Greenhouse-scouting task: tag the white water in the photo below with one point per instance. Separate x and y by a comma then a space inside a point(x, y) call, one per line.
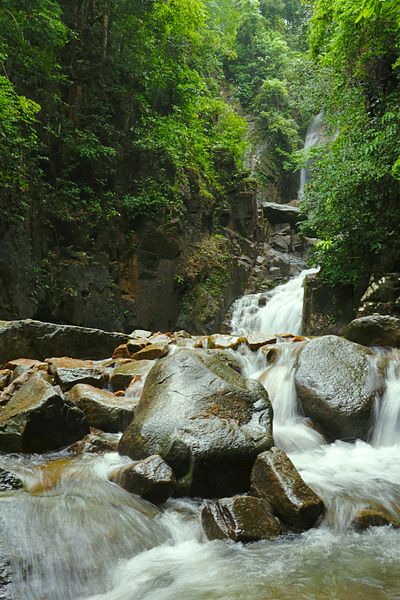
point(73, 535)
point(282, 313)
point(314, 137)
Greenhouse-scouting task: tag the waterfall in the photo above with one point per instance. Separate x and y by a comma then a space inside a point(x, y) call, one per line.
point(281, 313)
point(314, 137)
point(387, 409)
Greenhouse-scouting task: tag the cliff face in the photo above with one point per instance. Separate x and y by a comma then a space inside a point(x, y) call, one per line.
point(181, 271)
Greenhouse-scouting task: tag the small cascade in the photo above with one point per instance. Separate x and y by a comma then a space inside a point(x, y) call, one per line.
point(387, 410)
point(292, 431)
point(314, 136)
point(281, 313)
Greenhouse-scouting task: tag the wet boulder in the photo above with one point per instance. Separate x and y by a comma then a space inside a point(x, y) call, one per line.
point(34, 339)
point(39, 418)
point(374, 517)
point(103, 409)
point(275, 479)
point(205, 420)
point(96, 442)
point(151, 478)
point(241, 519)
point(69, 372)
point(151, 352)
point(375, 330)
point(335, 386)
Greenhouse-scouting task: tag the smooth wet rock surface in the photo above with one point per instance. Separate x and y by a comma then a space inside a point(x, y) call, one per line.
point(275, 479)
point(375, 330)
point(103, 409)
point(336, 387)
point(38, 340)
point(39, 418)
point(151, 478)
point(374, 517)
point(204, 419)
point(241, 519)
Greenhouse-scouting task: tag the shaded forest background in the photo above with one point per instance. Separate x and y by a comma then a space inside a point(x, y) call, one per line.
point(124, 131)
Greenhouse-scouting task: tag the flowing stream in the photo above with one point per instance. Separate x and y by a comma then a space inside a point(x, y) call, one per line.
point(73, 535)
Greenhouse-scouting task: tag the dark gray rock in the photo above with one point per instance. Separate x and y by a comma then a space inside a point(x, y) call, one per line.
point(204, 419)
point(151, 478)
point(72, 371)
point(38, 418)
point(375, 330)
point(275, 479)
point(241, 519)
point(334, 384)
point(34, 339)
point(9, 481)
point(280, 213)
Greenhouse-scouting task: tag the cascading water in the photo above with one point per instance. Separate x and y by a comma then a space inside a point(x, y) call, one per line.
point(74, 535)
point(314, 136)
point(278, 313)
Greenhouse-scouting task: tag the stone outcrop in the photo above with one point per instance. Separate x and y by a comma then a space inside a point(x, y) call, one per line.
point(334, 383)
point(375, 330)
point(382, 296)
point(38, 418)
point(204, 420)
point(281, 213)
point(151, 478)
point(69, 372)
point(241, 519)
point(275, 479)
point(103, 410)
point(34, 339)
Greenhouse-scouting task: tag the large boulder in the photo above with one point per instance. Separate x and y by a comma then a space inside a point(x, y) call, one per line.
point(275, 479)
point(34, 339)
point(204, 419)
point(38, 418)
point(150, 478)
point(375, 330)
point(335, 386)
point(241, 519)
point(103, 410)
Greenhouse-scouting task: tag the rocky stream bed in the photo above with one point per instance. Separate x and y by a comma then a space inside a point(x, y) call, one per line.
point(161, 466)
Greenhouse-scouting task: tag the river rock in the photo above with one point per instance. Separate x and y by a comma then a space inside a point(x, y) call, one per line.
point(150, 478)
point(96, 442)
point(102, 409)
point(257, 341)
point(275, 479)
point(122, 375)
point(225, 342)
point(9, 481)
point(205, 420)
point(5, 377)
point(34, 339)
point(151, 352)
point(334, 384)
point(375, 330)
point(38, 418)
point(373, 517)
point(69, 372)
point(241, 519)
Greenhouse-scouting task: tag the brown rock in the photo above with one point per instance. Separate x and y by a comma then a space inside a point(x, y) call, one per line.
point(241, 519)
point(121, 351)
point(151, 352)
point(122, 375)
point(136, 344)
point(71, 371)
point(275, 478)
point(38, 418)
point(150, 478)
point(27, 362)
point(374, 517)
point(102, 409)
point(5, 376)
point(96, 442)
point(255, 342)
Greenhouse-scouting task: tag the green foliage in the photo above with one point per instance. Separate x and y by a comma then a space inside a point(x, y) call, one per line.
point(352, 200)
